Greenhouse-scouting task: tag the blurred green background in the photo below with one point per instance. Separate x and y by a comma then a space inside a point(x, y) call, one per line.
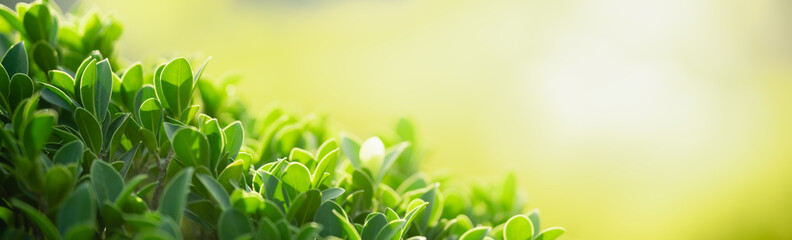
point(623, 119)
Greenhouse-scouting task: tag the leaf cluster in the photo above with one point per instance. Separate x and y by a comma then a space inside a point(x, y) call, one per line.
point(94, 151)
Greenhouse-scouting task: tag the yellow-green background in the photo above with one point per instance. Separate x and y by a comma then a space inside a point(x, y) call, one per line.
point(623, 119)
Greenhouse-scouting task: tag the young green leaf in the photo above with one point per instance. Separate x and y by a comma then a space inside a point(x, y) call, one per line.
point(518, 228)
point(297, 176)
point(62, 81)
point(87, 86)
point(234, 137)
point(349, 229)
point(351, 149)
point(37, 131)
point(103, 89)
point(191, 147)
point(177, 85)
point(477, 233)
point(131, 82)
point(550, 233)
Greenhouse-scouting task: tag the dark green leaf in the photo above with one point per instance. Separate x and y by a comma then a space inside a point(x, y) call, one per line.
point(57, 97)
point(174, 196)
point(45, 56)
point(233, 224)
point(324, 215)
point(15, 60)
point(106, 181)
point(89, 128)
point(22, 86)
point(304, 207)
point(42, 222)
point(69, 153)
point(37, 131)
point(103, 89)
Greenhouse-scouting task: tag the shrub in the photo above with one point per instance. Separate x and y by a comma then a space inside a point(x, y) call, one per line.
point(92, 152)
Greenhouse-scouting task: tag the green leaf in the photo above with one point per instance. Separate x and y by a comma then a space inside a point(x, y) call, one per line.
point(374, 223)
point(308, 231)
point(391, 230)
point(145, 92)
point(326, 165)
point(130, 187)
point(89, 128)
point(331, 193)
point(232, 172)
point(103, 89)
point(216, 190)
point(267, 229)
point(550, 233)
point(191, 147)
point(63, 81)
point(233, 225)
point(45, 56)
point(107, 183)
point(518, 227)
point(79, 208)
point(349, 229)
point(351, 148)
point(15, 60)
point(389, 159)
point(301, 156)
point(41, 220)
point(5, 80)
point(177, 84)
point(38, 131)
point(70, 152)
point(297, 176)
point(37, 21)
point(57, 97)
point(477, 233)
point(150, 115)
point(11, 18)
point(22, 86)
point(131, 82)
point(304, 207)
point(58, 184)
point(324, 215)
point(174, 197)
point(216, 141)
point(234, 136)
point(534, 217)
point(87, 86)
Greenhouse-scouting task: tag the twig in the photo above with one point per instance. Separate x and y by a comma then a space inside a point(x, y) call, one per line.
point(163, 168)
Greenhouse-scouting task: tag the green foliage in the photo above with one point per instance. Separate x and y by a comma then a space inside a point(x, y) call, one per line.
point(136, 152)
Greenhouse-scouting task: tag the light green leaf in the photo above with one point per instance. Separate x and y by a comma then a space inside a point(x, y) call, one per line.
point(216, 139)
point(231, 172)
point(38, 131)
point(518, 227)
point(326, 165)
point(191, 147)
point(63, 81)
point(351, 148)
point(550, 233)
point(477, 233)
point(131, 82)
point(23, 87)
point(297, 176)
point(234, 134)
point(349, 229)
point(150, 115)
point(5, 80)
point(174, 197)
point(374, 223)
point(87, 86)
point(391, 230)
point(177, 85)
